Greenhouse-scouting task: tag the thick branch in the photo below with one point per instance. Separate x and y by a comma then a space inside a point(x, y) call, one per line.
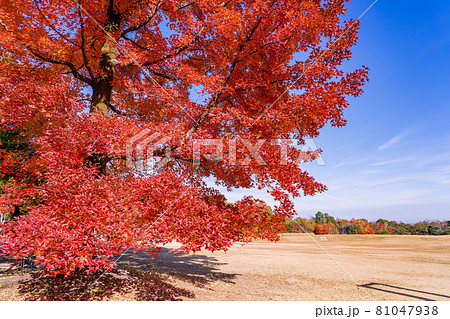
point(215, 99)
point(143, 23)
point(119, 112)
point(185, 5)
point(72, 67)
point(165, 76)
point(83, 42)
point(136, 44)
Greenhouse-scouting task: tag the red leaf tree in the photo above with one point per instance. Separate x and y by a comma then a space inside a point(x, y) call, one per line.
point(79, 79)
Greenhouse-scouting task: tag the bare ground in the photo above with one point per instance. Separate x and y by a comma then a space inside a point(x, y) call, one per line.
point(298, 267)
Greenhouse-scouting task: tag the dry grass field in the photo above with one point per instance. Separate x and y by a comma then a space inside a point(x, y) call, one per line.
point(298, 267)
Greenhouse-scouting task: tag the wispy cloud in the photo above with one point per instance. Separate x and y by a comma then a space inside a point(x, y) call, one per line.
point(392, 141)
point(393, 161)
point(433, 156)
point(372, 171)
point(352, 161)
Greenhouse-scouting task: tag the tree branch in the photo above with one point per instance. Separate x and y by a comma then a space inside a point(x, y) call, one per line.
point(215, 99)
point(51, 25)
point(83, 42)
point(72, 67)
point(177, 51)
point(143, 23)
point(119, 112)
point(136, 44)
point(165, 76)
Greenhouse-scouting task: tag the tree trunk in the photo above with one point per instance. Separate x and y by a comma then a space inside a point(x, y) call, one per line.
point(102, 87)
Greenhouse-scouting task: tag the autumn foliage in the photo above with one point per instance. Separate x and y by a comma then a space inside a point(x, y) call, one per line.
point(78, 79)
point(324, 224)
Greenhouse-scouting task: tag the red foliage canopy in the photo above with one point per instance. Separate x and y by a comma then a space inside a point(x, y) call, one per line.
point(78, 79)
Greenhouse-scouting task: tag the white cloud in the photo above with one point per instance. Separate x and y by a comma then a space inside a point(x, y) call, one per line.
point(392, 141)
point(352, 161)
point(393, 161)
point(372, 171)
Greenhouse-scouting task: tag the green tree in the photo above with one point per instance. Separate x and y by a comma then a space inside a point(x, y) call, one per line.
point(330, 219)
point(319, 218)
point(382, 221)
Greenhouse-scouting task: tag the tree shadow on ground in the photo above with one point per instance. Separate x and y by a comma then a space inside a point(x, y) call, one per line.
point(136, 277)
point(194, 268)
point(406, 292)
point(6, 263)
point(116, 284)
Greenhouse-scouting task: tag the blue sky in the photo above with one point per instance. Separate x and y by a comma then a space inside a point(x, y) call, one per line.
point(392, 160)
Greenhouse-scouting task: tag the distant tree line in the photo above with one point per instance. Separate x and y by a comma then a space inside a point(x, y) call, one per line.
point(322, 224)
